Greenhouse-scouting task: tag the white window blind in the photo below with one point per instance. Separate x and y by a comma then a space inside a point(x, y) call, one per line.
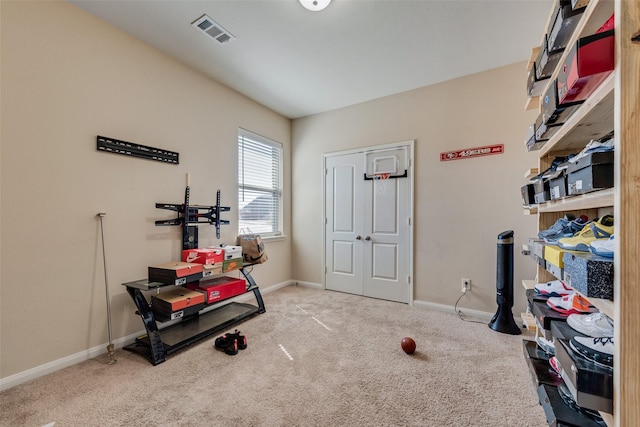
point(259, 184)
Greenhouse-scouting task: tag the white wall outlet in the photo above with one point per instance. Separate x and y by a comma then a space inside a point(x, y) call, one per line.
point(466, 285)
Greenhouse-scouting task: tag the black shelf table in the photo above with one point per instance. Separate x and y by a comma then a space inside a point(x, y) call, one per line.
point(159, 343)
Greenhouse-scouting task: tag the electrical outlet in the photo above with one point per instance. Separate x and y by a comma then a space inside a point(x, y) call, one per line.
point(466, 285)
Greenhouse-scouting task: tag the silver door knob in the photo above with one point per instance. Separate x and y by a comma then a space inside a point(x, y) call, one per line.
point(367, 238)
point(358, 237)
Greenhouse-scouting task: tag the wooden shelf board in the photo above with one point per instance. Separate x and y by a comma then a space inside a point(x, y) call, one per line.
point(596, 199)
point(529, 321)
point(593, 120)
point(531, 173)
point(532, 103)
point(529, 284)
point(604, 305)
point(530, 210)
point(534, 55)
point(609, 420)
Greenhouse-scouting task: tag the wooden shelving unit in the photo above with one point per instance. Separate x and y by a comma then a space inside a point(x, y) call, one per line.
point(614, 105)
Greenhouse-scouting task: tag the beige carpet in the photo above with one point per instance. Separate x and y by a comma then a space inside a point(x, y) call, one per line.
point(315, 358)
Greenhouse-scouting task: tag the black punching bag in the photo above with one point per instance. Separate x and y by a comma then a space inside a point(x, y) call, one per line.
point(503, 321)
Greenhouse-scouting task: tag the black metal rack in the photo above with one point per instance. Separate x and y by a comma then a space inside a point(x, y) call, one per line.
point(159, 343)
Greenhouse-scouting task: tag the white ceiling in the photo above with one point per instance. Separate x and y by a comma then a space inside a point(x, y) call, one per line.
point(299, 62)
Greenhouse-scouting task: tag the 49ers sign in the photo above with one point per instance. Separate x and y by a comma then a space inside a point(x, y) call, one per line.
point(472, 152)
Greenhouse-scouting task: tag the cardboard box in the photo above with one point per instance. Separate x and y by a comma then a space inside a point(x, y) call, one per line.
point(589, 274)
point(591, 385)
point(220, 288)
point(554, 112)
point(553, 254)
point(532, 142)
point(590, 173)
point(558, 272)
point(230, 251)
point(588, 64)
point(545, 315)
point(558, 186)
point(206, 256)
point(176, 303)
point(175, 273)
point(527, 194)
point(546, 62)
point(211, 270)
point(541, 189)
point(558, 413)
point(544, 131)
point(561, 27)
point(535, 86)
point(231, 264)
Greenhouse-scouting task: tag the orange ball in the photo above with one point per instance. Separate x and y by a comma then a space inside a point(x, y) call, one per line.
point(408, 345)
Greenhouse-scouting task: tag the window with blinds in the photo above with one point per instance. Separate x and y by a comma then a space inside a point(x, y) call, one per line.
point(259, 185)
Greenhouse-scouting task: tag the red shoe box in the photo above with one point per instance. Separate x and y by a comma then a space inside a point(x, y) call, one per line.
point(175, 273)
point(206, 256)
point(219, 288)
point(588, 64)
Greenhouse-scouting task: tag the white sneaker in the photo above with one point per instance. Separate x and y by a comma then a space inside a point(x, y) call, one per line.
point(546, 345)
point(555, 288)
point(603, 247)
point(598, 350)
point(595, 325)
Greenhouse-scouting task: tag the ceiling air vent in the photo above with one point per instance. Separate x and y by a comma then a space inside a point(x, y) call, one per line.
point(213, 29)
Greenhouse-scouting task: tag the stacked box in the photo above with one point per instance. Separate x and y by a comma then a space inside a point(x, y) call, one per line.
point(219, 288)
point(175, 273)
point(589, 274)
point(176, 303)
point(206, 256)
point(591, 172)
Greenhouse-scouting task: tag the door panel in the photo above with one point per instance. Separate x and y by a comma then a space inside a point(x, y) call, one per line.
point(367, 232)
point(343, 251)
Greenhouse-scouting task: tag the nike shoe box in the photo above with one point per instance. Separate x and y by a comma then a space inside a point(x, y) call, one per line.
point(211, 269)
point(577, 4)
point(558, 272)
point(230, 251)
point(206, 256)
point(589, 274)
point(175, 273)
point(541, 191)
point(527, 194)
point(176, 303)
point(558, 413)
point(535, 86)
point(590, 173)
point(588, 64)
point(539, 368)
point(561, 27)
point(590, 384)
point(555, 113)
point(231, 264)
point(219, 288)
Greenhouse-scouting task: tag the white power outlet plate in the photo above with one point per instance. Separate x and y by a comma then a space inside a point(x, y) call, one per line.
point(466, 285)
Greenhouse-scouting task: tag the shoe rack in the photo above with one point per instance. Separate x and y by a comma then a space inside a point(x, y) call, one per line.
point(614, 105)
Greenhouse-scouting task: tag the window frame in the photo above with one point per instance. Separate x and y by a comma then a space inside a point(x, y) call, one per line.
point(275, 190)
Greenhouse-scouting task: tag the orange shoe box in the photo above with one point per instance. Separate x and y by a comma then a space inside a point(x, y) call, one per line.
point(219, 288)
point(175, 273)
point(176, 303)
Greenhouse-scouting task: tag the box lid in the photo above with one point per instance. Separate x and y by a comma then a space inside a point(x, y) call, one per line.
point(181, 268)
point(599, 158)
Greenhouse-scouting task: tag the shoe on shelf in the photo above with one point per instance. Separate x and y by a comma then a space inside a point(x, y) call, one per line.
point(555, 365)
point(546, 345)
point(598, 350)
point(603, 247)
point(555, 288)
point(566, 226)
point(601, 228)
point(227, 344)
point(570, 304)
point(595, 325)
point(570, 401)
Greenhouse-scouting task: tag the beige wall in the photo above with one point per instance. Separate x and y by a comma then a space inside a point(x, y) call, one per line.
point(67, 77)
point(460, 206)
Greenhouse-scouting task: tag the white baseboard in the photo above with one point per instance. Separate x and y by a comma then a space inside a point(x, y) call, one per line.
point(309, 284)
point(482, 315)
point(55, 365)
